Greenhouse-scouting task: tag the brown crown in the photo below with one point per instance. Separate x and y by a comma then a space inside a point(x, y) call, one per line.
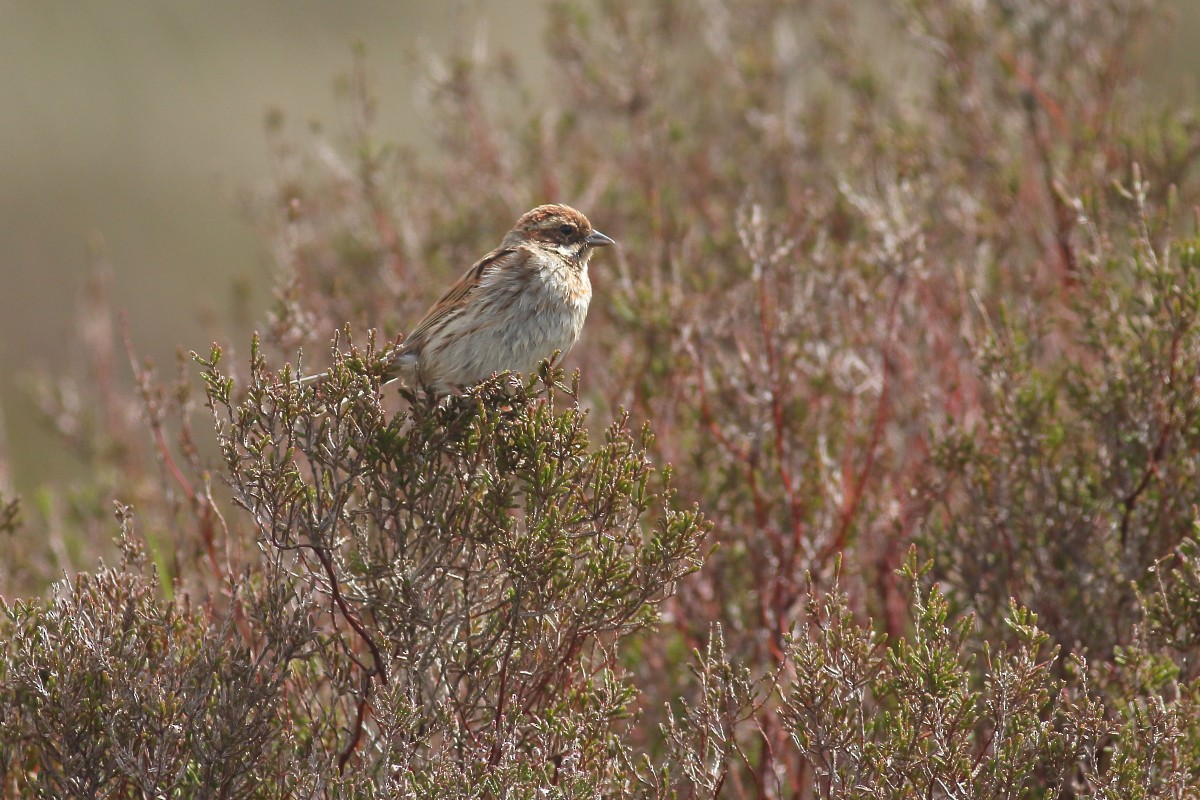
point(541, 215)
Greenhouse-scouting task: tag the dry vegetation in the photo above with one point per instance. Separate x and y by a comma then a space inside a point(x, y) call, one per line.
point(908, 295)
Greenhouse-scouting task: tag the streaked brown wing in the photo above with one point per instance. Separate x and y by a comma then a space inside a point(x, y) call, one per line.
point(458, 296)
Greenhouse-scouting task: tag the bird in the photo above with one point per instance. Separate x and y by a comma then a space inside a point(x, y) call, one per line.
point(513, 309)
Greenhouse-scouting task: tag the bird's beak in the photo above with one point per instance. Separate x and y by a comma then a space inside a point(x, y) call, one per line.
point(598, 239)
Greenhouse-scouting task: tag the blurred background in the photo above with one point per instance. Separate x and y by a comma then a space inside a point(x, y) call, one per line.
point(129, 130)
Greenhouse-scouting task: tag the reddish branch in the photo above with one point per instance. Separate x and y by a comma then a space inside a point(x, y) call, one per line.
point(380, 670)
point(795, 509)
point(857, 485)
point(1064, 216)
point(357, 731)
point(1129, 502)
point(199, 502)
point(501, 695)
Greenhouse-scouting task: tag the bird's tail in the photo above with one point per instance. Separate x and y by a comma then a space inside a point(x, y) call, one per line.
point(396, 367)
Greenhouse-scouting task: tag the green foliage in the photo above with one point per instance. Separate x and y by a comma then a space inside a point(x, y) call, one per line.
point(10, 514)
point(438, 601)
point(478, 555)
point(1093, 449)
point(914, 721)
point(110, 690)
point(935, 298)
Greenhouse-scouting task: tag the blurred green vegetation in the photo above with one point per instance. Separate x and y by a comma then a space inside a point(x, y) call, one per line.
point(915, 334)
point(131, 129)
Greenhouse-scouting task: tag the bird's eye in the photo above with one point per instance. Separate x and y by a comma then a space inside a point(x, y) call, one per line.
point(566, 230)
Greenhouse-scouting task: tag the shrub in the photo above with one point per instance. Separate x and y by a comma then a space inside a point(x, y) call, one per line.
point(913, 321)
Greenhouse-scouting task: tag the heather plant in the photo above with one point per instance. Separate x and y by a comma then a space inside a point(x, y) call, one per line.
point(479, 558)
point(907, 295)
point(113, 690)
point(439, 598)
point(1097, 448)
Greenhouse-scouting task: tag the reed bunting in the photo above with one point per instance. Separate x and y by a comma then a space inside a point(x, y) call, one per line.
point(511, 310)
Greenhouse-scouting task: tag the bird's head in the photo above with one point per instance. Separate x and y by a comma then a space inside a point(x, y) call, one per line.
point(559, 228)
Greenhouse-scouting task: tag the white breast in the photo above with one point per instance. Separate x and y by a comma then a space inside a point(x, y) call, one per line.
point(512, 323)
